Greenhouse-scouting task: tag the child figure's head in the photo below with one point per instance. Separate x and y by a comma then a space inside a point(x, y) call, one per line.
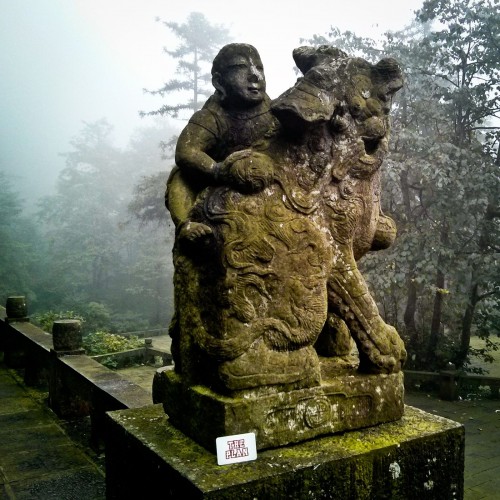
point(238, 76)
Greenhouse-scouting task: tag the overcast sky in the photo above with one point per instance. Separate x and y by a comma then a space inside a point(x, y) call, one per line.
point(67, 61)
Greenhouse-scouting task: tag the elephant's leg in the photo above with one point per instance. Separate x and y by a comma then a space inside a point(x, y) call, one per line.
point(381, 350)
point(335, 338)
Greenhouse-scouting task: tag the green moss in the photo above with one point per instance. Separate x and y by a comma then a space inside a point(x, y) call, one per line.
point(350, 465)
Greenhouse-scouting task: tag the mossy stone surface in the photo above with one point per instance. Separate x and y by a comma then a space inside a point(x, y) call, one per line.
point(418, 456)
point(265, 256)
point(345, 402)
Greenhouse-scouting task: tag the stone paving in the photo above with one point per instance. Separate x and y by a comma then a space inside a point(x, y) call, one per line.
point(481, 419)
point(39, 460)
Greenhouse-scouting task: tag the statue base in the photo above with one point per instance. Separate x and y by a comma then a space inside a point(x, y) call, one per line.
point(419, 456)
point(345, 402)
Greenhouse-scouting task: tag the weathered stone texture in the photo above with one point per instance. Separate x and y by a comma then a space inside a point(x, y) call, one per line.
point(343, 403)
point(274, 203)
point(418, 456)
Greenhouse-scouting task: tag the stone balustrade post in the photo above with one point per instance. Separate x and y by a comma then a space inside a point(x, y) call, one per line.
point(67, 336)
point(448, 383)
point(66, 340)
point(16, 309)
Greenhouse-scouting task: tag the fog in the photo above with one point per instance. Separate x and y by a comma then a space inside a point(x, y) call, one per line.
point(68, 61)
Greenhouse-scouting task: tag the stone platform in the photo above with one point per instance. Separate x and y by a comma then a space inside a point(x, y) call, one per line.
point(347, 401)
point(418, 456)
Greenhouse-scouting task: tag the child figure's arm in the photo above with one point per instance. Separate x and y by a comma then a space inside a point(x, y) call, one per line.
point(191, 153)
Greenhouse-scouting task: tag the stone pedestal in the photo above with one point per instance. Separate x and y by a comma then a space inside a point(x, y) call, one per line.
point(345, 402)
point(418, 456)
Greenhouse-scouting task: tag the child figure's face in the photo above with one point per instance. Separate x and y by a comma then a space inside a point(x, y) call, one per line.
point(243, 80)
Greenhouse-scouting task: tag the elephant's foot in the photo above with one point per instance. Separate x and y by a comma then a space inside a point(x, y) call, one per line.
point(381, 349)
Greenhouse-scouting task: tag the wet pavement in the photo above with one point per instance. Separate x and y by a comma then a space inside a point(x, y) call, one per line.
point(44, 458)
point(481, 419)
point(38, 459)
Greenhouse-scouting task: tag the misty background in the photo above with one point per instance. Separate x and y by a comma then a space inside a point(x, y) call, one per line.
point(83, 227)
point(64, 62)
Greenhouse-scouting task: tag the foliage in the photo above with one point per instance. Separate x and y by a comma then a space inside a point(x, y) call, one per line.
point(110, 363)
point(153, 277)
point(93, 246)
point(86, 253)
point(102, 342)
point(440, 180)
point(46, 320)
point(488, 318)
point(82, 219)
point(148, 197)
point(200, 42)
point(148, 202)
point(97, 316)
point(129, 321)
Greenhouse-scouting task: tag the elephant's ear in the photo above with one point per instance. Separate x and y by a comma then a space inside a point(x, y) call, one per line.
point(306, 57)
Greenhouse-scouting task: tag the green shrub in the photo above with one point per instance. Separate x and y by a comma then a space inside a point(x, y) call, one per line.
point(46, 320)
point(110, 363)
point(101, 342)
point(97, 316)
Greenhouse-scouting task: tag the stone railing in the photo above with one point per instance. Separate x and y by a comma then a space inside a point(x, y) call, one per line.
point(78, 384)
point(451, 383)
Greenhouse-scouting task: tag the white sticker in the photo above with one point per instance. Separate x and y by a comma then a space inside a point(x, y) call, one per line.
point(237, 448)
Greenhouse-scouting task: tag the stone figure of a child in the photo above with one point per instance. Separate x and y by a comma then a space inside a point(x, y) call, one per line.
point(213, 148)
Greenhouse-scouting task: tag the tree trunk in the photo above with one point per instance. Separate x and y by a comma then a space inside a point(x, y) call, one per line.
point(437, 311)
point(411, 295)
point(411, 304)
point(467, 326)
point(438, 301)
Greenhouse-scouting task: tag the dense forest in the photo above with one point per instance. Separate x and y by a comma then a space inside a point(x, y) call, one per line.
point(100, 246)
point(85, 251)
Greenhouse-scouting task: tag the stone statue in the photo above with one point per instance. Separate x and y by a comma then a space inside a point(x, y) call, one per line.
point(236, 117)
point(273, 205)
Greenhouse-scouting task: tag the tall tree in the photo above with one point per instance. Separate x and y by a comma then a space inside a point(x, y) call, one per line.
point(151, 268)
point(98, 260)
point(18, 240)
point(199, 43)
point(440, 178)
point(81, 219)
point(147, 203)
point(463, 54)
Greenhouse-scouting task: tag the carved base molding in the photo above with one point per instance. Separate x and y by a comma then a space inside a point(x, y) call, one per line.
point(350, 401)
